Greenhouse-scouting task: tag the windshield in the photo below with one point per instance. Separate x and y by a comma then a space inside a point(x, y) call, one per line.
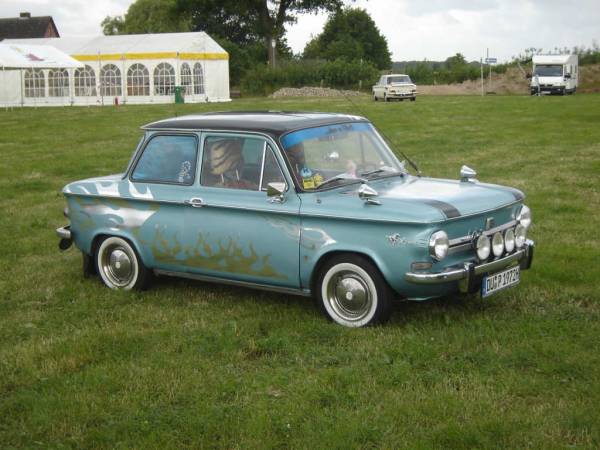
point(339, 154)
point(548, 71)
point(399, 79)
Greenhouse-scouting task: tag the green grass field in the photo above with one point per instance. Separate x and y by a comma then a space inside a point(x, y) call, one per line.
point(193, 365)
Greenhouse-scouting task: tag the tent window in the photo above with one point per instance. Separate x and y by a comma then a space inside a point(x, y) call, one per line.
point(186, 78)
point(138, 80)
point(110, 80)
point(198, 79)
point(58, 83)
point(85, 82)
point(35, 83)
point(164, 79)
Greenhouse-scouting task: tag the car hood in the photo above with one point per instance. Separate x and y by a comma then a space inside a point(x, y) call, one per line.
point(558, 80)
point(402, 84)
point(416, 199)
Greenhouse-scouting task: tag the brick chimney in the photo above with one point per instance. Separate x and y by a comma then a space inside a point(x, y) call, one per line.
point(25, 15)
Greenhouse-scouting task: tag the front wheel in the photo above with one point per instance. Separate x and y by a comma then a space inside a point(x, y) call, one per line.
point(119, 265)
point(352, 292)
point(413, 99)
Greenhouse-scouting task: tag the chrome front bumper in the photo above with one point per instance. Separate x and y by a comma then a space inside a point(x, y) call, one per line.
point(467, 273)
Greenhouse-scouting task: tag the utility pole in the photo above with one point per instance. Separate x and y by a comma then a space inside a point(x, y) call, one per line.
point(490, 71)
point(481, 68)
point(273, 49)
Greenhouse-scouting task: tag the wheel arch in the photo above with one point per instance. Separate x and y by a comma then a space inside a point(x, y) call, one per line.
point(325, 257)
point(103, 234)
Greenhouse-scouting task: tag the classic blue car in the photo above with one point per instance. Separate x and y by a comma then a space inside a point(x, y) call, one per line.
point(313, 204)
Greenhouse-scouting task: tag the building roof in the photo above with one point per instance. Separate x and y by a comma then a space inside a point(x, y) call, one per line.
point(26, 27)
point(274, 123)
point(133, 44)
point(552, 59)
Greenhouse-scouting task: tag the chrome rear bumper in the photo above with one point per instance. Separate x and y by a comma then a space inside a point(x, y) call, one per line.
point(64, 233)
point(470, 270)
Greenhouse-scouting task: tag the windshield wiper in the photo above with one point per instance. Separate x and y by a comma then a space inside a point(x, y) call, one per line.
point(341, 177)
point(387, 169)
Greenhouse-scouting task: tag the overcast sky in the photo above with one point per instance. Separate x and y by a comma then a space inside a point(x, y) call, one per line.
point(432, 29)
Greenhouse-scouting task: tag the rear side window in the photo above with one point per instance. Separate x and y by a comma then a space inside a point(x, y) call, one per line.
point(168, 159)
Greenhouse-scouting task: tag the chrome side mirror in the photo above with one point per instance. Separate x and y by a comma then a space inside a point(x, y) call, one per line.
point(368, 194)
point(275, 192)
point(467, 174)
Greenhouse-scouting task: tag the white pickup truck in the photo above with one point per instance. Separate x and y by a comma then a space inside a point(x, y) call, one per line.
point(396, 86)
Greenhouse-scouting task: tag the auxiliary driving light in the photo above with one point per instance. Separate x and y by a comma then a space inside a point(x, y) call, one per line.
point(520, 235)
point(509, 240)
point(483, 247)
point(497, 244)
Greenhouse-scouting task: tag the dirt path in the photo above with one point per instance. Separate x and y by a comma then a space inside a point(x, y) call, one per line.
point(511, 82)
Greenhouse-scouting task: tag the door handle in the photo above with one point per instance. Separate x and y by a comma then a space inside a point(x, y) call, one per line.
point(195, 202)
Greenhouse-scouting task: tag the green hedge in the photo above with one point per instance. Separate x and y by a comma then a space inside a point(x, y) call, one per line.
point(336, 74)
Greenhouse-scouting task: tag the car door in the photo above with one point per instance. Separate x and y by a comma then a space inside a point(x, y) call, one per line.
point(161, 179)
point(235, 231)
point(379, 88)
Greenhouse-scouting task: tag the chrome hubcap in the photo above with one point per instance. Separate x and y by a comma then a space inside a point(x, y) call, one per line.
point(117, 265)
point(349, 295)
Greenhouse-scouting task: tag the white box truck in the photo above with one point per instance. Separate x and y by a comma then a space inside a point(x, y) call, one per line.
point(554, 74)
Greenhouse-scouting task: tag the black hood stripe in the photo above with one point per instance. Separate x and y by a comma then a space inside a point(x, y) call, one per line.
point(447, 209)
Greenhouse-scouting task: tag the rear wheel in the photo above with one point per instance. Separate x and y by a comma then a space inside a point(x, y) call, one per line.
point(413, 99)
point(375, 97)
point(352, 292)
point(119, 265)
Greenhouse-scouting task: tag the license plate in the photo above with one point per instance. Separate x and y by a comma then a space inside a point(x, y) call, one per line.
point(495, 282)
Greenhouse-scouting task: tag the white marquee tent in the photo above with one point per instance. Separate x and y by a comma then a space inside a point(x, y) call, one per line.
point(130, 69)
point(16, 58)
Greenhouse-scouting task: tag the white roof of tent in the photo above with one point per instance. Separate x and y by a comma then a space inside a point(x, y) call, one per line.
point(198, 42)
point(22, 56)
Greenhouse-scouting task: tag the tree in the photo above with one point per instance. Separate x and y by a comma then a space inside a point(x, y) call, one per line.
point(351, 34)
point(147, 16)
point(246, 21)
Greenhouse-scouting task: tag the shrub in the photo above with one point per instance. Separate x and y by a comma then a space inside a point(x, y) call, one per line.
point(336, 74)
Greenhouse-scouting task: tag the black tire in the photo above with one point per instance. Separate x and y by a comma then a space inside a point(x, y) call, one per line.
point(413, 99)
point(88, 265)
point(375, 97)
point(352, 292)
point(119, 265)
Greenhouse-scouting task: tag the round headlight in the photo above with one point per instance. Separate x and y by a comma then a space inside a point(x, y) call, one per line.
point(509, 240)
point(497, 244)
point(524, 216)
point(520, 235)
point(438, 245)
point(483, 247)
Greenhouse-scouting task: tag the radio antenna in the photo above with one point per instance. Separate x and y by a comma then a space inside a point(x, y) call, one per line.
point(385, 137)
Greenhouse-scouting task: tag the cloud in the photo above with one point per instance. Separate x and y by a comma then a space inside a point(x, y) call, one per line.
point(432, 29)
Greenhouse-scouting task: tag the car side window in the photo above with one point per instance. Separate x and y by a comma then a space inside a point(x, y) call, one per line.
point(232, 162)
point(271, 170)
point(168, 159)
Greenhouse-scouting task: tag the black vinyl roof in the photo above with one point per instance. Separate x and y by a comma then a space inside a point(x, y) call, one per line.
point(274, 123)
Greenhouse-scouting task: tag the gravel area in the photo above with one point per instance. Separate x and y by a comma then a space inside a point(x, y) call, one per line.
point(312, 92)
